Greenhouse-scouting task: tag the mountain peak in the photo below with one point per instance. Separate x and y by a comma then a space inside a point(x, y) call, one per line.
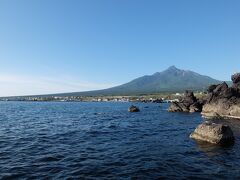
point(172, 67)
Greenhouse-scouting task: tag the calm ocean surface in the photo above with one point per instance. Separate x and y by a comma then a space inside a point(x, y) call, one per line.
point(61, 140)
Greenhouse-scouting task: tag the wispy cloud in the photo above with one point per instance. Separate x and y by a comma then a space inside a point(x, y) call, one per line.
point(15, 85)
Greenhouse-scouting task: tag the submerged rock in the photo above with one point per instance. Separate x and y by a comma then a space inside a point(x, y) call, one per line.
point(133, 109)
point(213, 133)
point(189, 103)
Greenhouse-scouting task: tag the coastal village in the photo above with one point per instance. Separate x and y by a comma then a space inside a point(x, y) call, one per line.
point(148, 98)
point(167, 98)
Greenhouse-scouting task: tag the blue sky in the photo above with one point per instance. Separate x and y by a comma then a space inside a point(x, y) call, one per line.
point(49, 46)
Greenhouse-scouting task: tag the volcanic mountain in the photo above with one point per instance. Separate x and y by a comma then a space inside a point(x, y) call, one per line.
point(170, 80)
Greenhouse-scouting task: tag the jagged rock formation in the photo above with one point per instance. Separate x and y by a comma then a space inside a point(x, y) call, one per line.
point(213, 133)
point(236, 80)
point(189, 103)
point(223, 101)
point(133, 109)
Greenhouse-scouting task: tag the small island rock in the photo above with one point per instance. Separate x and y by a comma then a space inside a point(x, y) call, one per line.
point(133, 109)
point(213, 133)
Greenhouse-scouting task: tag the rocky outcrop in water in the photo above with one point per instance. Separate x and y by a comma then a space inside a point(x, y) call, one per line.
point(223, 101)
point(213, 133)
point(151, 101)
point(133, 109)
point(189, 103)
point(157, 101)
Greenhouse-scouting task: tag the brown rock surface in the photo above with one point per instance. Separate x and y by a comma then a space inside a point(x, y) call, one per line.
point(133, 109)
point(213, 133)
point(222, 101)
point(189, 103)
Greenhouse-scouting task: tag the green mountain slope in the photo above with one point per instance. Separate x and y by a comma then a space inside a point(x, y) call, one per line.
point(170, 80)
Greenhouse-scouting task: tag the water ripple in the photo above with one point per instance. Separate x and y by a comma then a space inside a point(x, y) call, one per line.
point(104, 141)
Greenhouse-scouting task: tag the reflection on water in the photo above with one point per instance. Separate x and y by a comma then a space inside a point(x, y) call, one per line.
point(212, 149)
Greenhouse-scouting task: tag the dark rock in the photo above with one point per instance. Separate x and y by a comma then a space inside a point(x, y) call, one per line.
point(220, 88)
point(157, 101)
point(133, 109)
point(189, 103)
point(220, 91)
point(211, 88)
point(189, 98)
point(230, 92)
point(144, 101)
point(196, 107)
point(235, 78)
point(223, 101)
point(213, 133)
point(202, 100)
point(178, 107)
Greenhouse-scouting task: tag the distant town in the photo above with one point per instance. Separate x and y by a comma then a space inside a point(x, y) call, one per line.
point(155, 98)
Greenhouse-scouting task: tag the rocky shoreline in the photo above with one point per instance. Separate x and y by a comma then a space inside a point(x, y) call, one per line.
point(222, 101)
point(189, 103)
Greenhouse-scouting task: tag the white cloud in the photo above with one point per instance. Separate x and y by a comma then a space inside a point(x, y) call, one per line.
point(16, 85)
